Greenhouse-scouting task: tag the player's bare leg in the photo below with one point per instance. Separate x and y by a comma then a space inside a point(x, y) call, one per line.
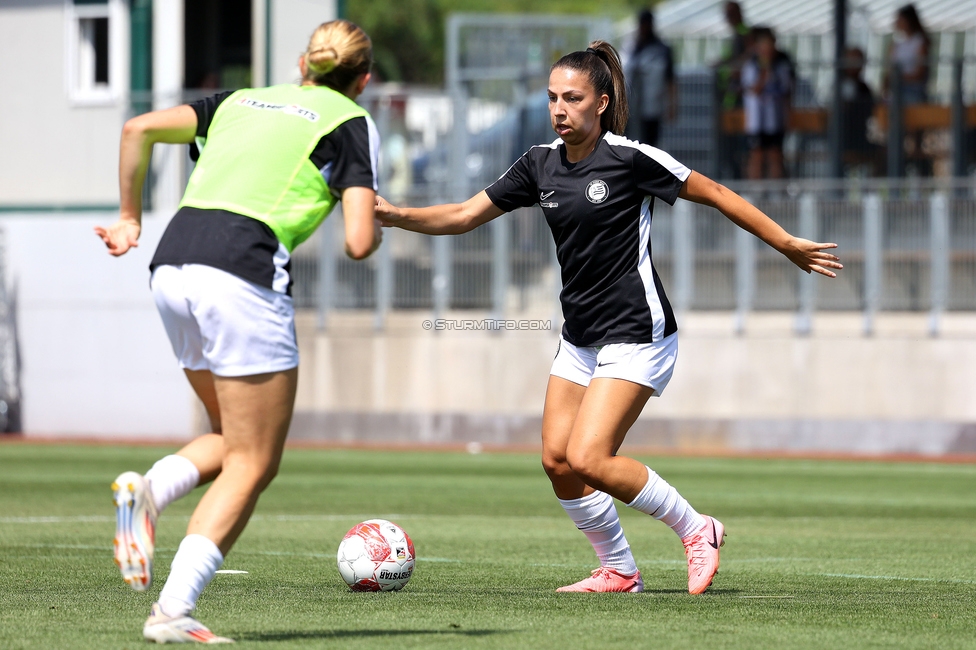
point(206, 452)
point(608, 410)
point(256, 413)
point(593, 512)
point(563, 399)
point(139, 499)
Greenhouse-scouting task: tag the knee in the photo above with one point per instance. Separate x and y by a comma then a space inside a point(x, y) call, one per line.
point(268, 473)
point(554, 463)
point(586, 464)
point(254, 473)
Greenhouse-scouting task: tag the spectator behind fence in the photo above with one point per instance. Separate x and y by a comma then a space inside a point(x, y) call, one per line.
point(767, 82)
point(858, 106)
point(738, 49)
point(650, 83)
point(910, 52)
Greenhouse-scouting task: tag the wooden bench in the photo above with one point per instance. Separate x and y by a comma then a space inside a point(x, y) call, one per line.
point(801, 120)
point(919, 117)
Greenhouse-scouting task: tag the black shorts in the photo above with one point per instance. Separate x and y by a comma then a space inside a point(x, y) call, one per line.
point(766, 140)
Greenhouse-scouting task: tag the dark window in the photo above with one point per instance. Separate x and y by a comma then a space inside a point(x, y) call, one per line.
point(100, 43)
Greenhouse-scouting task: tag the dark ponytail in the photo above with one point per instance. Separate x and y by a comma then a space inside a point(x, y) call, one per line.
point(601, 63)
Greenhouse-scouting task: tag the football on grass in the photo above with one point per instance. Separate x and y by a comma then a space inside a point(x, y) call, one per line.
point(376, 555)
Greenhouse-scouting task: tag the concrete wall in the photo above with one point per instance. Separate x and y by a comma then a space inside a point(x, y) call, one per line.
point(899, 391)
point(836, 373)
point(54, 151)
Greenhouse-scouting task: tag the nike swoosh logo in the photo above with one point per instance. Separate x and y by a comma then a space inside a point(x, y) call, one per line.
point(714, 543)
point(605, 363)
point(543, 197)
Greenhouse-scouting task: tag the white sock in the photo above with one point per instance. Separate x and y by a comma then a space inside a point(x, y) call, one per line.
point(172, 478)
point(596, 516)
point(194, 566)
point(661, 501)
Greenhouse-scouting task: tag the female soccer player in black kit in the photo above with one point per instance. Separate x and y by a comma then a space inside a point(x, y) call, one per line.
point(619, 340)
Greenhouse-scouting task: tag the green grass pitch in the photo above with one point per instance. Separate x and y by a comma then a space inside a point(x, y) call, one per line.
point(819, 555)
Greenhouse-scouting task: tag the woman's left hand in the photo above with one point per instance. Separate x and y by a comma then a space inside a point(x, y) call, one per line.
point(120, 236)
point(387, 213)
point(810, 256)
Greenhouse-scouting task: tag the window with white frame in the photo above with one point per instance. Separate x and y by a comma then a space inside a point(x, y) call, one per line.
point(94, 49)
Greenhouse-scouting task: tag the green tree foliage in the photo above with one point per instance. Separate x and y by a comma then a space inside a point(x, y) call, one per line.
point(408, 35)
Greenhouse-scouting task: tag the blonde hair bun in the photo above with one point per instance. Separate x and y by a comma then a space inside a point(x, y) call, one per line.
point(338, 52)
point(322, 61)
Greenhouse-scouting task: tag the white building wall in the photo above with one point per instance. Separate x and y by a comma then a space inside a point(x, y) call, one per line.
point(53, 152)
point(292, 24)
point(95, 357)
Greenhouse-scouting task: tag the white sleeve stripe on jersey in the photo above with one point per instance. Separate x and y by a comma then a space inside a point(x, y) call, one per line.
point(646, 271)
point(659, 156)
point(374, 151)
point(552, 145)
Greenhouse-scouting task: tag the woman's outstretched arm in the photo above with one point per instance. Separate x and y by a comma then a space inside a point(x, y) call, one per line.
point(807, 255)
point(174, 126)
point(445, 219)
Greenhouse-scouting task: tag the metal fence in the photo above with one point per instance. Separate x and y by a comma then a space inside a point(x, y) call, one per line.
point(906, 247)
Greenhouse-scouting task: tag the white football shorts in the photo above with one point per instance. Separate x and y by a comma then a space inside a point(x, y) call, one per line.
point(219, 322)
point(647, 364)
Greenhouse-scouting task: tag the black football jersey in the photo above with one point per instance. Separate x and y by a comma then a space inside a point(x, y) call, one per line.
point(599, 210)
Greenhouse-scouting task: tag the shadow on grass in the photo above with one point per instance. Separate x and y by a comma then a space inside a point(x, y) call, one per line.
point(293, 635)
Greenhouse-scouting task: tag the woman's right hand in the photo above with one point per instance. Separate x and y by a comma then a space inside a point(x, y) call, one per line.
point(120, 236)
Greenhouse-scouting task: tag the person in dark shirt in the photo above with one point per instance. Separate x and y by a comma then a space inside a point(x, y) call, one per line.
point(652, 92)
point(767, 82)
point(619, 340)
point(858, 105)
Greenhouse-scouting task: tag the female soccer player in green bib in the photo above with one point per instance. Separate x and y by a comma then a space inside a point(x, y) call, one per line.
point(272, 164)
point(619, 340)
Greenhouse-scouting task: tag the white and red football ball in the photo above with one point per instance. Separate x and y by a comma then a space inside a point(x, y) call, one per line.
point(376, 555)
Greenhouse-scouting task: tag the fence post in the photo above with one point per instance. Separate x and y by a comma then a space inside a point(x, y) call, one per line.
point(719, 140)
point(384, 280)
point(939, 258)
point(896, 126)
point(441, 277)
point(500, 252)
point(327, 267)
point(745, 276)
point(958, 122)
point(873, 260)
point(836, 131)
point(683, 229)
point(808, 284)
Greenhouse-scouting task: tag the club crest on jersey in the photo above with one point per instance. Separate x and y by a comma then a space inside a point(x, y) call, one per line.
point(597, 191)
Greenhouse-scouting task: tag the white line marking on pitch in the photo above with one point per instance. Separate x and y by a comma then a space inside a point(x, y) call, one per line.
point(231, 572)
point(859, 576)
point(54, 520)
